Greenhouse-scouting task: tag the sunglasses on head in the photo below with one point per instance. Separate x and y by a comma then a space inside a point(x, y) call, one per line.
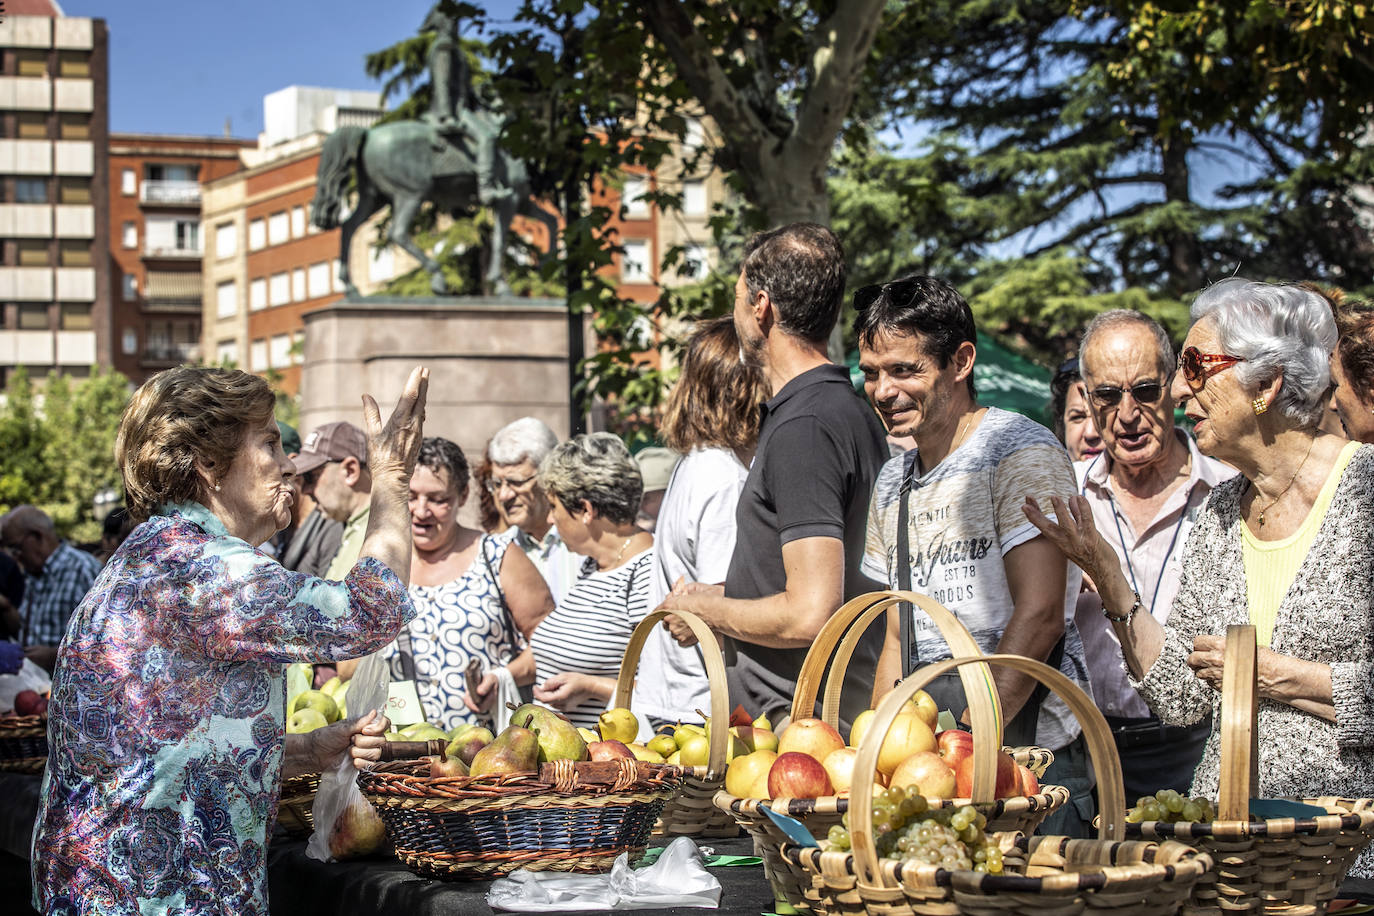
point(1110, 395)
point(899, 293)
point(1197, 367)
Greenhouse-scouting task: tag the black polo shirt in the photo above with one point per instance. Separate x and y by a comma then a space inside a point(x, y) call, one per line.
point(820, 449)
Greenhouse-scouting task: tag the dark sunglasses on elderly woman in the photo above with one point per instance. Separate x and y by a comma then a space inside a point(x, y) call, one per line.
point(1110, 395)
point(1197, 367)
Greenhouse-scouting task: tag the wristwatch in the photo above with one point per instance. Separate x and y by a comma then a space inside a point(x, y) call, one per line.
point(1125, 618)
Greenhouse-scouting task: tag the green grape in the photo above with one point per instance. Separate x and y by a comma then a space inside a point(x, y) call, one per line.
point(844, 819)
point(959, 821)
point(839, 837)
point(1174, 803)
point(1191, 811)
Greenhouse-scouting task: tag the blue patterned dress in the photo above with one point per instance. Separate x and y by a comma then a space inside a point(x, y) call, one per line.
point(166, 726)
point(454, 623)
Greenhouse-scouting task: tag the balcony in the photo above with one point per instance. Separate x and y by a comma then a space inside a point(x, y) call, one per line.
point(170, 193)
point(173, 252)
point(165, 355)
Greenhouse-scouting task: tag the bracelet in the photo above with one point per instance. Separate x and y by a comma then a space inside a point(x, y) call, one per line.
point(1126, 618)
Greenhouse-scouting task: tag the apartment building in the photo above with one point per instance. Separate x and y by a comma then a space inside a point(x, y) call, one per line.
point(157, 245)
point(54, 225)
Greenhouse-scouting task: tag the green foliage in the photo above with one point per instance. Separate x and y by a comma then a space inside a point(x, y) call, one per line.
point(59, 446)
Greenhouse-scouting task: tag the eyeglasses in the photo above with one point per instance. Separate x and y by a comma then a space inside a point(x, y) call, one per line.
point(516, 485)
point(312, 476)
point(899, 293)
point(1197, 367)
point(1110, 395)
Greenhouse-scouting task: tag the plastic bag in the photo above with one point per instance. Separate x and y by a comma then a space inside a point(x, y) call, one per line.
point(678, 878)
point(346, 826)
point(28, 677)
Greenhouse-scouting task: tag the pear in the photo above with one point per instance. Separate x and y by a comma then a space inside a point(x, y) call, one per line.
point(558, 738)
point(643, 753)
point(763, 723)
point(358, 831)
point(588, 735)
point(515, 750)
point(457, 730)
point(695, 752)
point(445, 765)
point(332, 686)
point(662, 744)
point(469, 742)
point(618, 724)
point(683, 733)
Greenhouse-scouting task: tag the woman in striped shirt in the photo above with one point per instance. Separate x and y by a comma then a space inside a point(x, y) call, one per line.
point(594, 487)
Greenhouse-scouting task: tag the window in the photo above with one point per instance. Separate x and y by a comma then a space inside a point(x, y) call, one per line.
point(160, 172)
point(188, 235)
point(226, 353)
point(31, 125)
point(31, 62)
point(33, 316)
point(319, 280)
point(73, 190)
point(257, 235)
point(129, 237)
point(636, 207)
point(694, 198)
point(694, 264)
point(695, 136)
point(278, 229)
point(257, 356)
point(257, 294)
point(74, 253)
point(297, 221)
point(74, 127)
point(298, 284)
point(74, 64)
point(30, 191)
point(279, 290)
point(171, 235)
point(383, 264)
point(634, 263)
point(34, 253)
point(280, 354)
point(128, 342)
point(75, 316)
point(128, 182)
point(129, 288)
point(226, 300)
point(226, 240)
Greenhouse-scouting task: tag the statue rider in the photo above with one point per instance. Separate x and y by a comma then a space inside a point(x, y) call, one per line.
point(454, 109)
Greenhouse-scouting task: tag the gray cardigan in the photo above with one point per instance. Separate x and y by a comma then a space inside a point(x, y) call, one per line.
point(1327, 616)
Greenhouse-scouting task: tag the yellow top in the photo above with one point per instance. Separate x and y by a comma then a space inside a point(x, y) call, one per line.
point(1271, 566)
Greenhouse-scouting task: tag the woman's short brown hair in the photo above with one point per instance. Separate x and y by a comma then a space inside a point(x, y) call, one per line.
point(180, 417)
point(716, 400)
point(1355, 347)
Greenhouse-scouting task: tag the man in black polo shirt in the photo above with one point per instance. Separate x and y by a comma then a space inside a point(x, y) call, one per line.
point(801, 518)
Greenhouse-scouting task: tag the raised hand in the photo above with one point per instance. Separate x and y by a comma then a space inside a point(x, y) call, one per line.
point(392, 448)
point(1073, 532)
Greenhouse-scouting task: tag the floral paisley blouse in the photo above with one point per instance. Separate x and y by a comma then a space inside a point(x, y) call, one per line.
point(166, 726)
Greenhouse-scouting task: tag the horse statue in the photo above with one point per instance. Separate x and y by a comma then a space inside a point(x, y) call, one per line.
point(404, 163)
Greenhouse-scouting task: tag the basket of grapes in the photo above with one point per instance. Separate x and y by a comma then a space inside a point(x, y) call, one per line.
point(897, 854)
point(808, 775)
point(1276, 856)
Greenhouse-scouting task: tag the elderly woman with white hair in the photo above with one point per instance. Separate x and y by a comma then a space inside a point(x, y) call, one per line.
point(594, 488)
point(1285, 546)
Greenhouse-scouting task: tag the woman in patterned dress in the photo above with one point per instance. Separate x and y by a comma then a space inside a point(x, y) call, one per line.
point(474, 597)
point(166, 727)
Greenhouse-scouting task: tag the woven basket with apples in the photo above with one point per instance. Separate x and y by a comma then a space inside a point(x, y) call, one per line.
point(308, 710)
point(24, 734)
point(902, 857)
point(810, 775)
point(1291, 863)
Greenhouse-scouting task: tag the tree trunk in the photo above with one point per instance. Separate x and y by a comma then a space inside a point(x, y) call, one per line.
point(1184, 255)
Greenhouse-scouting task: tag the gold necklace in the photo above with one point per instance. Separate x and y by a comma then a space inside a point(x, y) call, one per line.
point(616, 561)
point(1260, 519)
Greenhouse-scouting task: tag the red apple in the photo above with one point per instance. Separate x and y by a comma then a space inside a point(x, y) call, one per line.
point(812, 737)
point(41, 708)
point(798, 775)
point(1030, 785)
point(1008, 779)
point(928, 772)
point(608, 750)
point(954, 746)
point(26, 702)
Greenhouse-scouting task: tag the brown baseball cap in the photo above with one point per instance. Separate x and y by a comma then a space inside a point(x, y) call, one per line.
point(331, 442)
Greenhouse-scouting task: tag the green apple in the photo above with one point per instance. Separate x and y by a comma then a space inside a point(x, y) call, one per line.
point(319, 701)
point(332, 686)
point(429, 732)
point(304, 720)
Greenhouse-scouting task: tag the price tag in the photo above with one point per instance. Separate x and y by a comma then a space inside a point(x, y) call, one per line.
point(403, 704)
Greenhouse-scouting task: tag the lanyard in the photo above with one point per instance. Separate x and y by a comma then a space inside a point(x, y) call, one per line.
point(1121, 536)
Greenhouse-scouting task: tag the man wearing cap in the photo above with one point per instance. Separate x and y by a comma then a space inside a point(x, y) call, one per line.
point(656, 467)
point(333, 468)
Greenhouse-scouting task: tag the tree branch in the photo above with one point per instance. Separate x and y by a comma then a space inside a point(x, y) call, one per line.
point(838, 58)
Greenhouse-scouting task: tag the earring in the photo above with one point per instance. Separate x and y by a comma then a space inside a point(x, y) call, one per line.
point(1259, 405)
point(216, 488)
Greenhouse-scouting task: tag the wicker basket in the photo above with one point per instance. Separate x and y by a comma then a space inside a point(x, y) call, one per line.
point(1276, 866)
point(691, 811)
point(1044, 875)
point(845, 628)
point(23, 744)
point(295, 809)
point(571, 817)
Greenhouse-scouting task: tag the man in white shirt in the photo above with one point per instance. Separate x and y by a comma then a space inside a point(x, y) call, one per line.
point(1145, 490)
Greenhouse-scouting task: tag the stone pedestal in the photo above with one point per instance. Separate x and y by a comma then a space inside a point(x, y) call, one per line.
point(491, 361)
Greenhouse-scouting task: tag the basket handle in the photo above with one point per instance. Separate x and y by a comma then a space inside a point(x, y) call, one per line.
point(715, 674)
point(1239, 731)
point(1101, 747)
point(411, 750)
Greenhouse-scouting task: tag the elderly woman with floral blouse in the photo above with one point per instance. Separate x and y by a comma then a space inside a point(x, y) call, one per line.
point(1286, 546)
point(166, 726)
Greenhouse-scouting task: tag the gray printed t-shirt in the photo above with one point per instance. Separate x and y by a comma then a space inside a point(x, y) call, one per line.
point(964, 517)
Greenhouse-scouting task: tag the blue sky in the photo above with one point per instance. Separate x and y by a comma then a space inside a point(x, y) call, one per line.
point(184, 66)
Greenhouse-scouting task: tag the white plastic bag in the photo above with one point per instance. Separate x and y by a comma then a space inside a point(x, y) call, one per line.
point(346, 826)
point(678, 878)
point(28, 677)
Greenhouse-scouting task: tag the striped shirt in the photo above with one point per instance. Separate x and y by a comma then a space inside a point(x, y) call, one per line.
point(588, 631)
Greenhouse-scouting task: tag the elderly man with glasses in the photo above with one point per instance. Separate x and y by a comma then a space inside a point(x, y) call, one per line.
point(57, 576)
point(1145, 490)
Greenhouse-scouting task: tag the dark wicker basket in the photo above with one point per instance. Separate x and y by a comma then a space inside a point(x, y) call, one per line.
point(296, 807)
point(569, 817)
point(23, 743)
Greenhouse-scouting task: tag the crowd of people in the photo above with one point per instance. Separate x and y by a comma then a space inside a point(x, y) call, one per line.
point(1115, 545)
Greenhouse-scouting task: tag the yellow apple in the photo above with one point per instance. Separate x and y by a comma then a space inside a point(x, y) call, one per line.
point(813, 737)
point(861, 723)
point(744, 772)
point(928, 772)
point(839, 764)
point(908, 735)
point(925, 707)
